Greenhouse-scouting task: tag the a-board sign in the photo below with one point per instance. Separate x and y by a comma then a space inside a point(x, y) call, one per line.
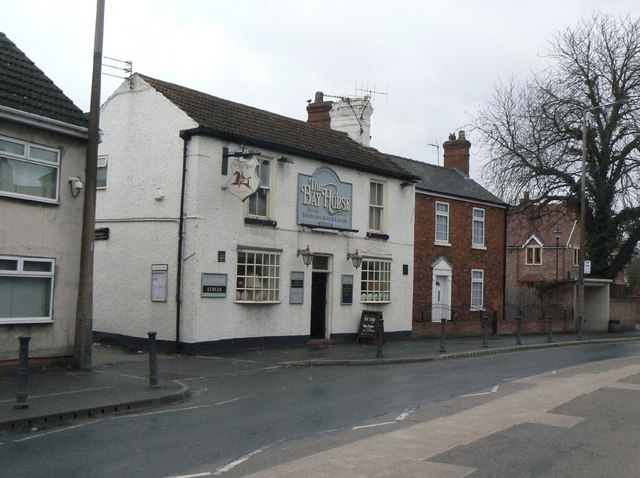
point(370, 325)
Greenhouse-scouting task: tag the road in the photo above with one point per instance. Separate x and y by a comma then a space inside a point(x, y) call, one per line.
point(241, 424)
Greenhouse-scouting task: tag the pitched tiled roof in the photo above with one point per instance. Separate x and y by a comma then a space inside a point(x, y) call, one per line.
point(23, 86)
point(541, 221)
point(449, 181)
point(226, 119)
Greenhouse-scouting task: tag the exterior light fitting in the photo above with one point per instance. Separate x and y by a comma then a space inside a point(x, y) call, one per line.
point(76, 186)
point(284, 159)
point(356, 258)
point(307, 255)
point(557, 233)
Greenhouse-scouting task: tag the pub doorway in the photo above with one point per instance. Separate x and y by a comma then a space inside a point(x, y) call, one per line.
point(320, 281)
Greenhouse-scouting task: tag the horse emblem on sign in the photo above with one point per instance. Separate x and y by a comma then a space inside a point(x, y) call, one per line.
point(243, 181)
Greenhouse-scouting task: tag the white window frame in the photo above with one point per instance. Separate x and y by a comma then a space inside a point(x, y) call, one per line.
point(375, 280)
point(438, 240)
point(533, 262)
point(257, 281)
point(268, 189)
point(478, 218)
point(102, 164)
point(576, 257)
point(377, 206)
point(477, 277)
point(26, 157)
point(19, 272)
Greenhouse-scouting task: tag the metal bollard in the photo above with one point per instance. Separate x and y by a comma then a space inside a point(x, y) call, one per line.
point(153, 360)
point(380, 339)
point(580, 324)
point(443, 333)
point(550, 330)
point(485, 344)
point(23, 374)
point(519, 330)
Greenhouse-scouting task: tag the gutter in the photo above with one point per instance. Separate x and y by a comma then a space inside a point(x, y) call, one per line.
point(43, 122)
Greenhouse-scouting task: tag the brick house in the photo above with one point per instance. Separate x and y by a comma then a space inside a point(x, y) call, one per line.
point(459, 245)
point(542, 270)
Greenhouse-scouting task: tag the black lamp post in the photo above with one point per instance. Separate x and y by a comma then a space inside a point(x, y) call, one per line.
point(557, 233)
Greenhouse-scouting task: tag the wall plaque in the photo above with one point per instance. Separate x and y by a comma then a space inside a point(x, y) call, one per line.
point(213, 285)
point(296, 294)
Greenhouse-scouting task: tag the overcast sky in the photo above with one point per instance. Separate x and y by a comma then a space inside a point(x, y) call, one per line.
point(437, 61)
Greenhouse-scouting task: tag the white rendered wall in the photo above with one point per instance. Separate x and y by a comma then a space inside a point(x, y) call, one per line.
point(34, 229)
point(141, 140)
point(220, 227)
point(354, 118)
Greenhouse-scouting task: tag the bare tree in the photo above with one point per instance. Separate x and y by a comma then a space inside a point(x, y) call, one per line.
point(533, 134)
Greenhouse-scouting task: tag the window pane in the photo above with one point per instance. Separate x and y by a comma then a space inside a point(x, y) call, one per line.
point(442, 207)
point(263, 173)
point(8, 264)
point(28, 178)
point(11, 147)
point(36, 266)
point(43, 154)
point(101, 177)
point(23, 297)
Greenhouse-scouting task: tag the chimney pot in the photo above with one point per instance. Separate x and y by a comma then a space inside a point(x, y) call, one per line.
point(319, 97)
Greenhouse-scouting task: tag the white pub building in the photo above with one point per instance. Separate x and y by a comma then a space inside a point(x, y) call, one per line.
point(220, 225)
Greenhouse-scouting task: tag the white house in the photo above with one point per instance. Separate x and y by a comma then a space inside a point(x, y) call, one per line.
point(188, 255)
point(43, 141)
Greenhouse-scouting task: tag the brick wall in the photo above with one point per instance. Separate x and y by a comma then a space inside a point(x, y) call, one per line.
point(624, 310)
point(463, 259)
point(517, 267)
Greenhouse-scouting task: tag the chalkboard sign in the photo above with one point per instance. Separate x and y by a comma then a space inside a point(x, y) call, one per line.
point(369, 328)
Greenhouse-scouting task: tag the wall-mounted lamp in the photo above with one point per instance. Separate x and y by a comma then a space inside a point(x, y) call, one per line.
point(284, 159)
point(307, 255)
point(355, 257)
point(76, 186)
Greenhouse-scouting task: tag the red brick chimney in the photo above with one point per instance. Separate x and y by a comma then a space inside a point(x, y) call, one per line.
point(456, 153)
point(319, 111)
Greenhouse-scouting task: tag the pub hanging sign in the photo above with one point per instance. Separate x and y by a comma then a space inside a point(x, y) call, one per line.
point(324, 200)
point(243, 181)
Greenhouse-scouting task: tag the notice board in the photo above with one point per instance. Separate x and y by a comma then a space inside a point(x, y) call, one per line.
point(370, 325)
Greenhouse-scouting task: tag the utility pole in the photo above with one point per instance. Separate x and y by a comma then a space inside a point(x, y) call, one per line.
point(84, 311)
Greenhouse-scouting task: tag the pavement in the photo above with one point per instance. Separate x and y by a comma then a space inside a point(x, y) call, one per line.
point(118, 381)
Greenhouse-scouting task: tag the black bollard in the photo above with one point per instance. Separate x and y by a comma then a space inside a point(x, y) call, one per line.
point(443, 334)
point(550, 330)
point(153, 360)
point(580, 324)
point(519, 330)
point(380, 339)
point(485, 319)
point(23, 374)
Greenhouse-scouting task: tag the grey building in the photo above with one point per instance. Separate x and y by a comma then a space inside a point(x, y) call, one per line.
point(43, 142)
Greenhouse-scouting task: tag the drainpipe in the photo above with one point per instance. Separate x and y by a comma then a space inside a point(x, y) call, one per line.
point(504, 266)
point(181, 234)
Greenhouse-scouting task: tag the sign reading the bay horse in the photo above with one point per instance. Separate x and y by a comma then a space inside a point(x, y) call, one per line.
point(244, 180)
point(323, 200)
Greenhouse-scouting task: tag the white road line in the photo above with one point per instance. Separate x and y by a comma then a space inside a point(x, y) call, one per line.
point(226, 359)
point(31, 437)
point(373, 425)
point(61, 393)
point(160, 412)
point(232, 374)
point(206, 473)
point(494, 389)
point(554, 372)
point(405, 414)
point(120, 374)
point(232, 400)
point(240, 460)
point(475, 394)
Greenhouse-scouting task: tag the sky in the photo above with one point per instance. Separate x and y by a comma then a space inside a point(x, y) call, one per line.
point(433, 63)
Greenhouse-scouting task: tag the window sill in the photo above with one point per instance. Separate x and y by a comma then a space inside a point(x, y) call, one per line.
point(526, 264)
point(253, 302)
point(36, 199)
point(29, 320)
point(254, 221)
point(478, 247)
point(375, 301)
point(442, 243)
point(378, 235)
